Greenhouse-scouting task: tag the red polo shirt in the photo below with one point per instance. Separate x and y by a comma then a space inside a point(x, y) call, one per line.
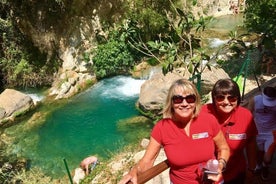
point(187, 155)
point(238, 131)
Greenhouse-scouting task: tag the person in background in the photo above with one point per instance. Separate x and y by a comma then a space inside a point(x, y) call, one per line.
point(267, 61)
point(263, 107)
point(237, 124)
point(234, 7)
point(89, 162)
point(189, 138)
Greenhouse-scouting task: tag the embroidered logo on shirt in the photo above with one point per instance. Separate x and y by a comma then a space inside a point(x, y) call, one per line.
point(237, 136)
point(200, 135)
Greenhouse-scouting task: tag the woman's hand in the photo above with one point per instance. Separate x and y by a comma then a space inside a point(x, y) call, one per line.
point(127, 178)
point(144, 164)
point(215, 177)
point(221, 167)
point(130, 176)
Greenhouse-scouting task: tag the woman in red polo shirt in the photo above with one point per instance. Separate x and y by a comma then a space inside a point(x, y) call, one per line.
point(238, 126)
point(189, 138)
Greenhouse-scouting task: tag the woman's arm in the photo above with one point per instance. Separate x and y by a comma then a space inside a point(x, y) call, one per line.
point(223, 149)
point(144, 164)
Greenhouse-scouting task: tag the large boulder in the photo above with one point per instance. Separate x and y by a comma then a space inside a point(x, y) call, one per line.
point(210, 77)
point(13, 103)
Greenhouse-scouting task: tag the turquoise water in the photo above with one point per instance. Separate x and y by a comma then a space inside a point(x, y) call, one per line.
point(87, 124)
point(226, 22)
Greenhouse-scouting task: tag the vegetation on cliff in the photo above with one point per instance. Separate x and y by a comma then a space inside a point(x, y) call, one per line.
point(162, 32)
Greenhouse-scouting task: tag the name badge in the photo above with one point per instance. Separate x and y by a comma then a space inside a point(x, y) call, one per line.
point(200, 135)
point(237, 136)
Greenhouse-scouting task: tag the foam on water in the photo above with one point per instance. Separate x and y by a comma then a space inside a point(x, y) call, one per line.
point(36, 97)
point(216, 42)
point(121, 87)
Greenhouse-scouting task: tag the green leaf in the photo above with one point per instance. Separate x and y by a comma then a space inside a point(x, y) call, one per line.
point(190, 67)
point(180, 12)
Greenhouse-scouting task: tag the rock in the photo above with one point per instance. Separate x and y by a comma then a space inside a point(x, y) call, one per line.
point(65, 87)
point(69, 83)
point(162, 177)
point(210, 77)
point(116, 166)
point(145, 143)
point(144, 70)
point(79, 175)
point(14, 103)
point(2, 112)
point(138, 156)
point(69, 61)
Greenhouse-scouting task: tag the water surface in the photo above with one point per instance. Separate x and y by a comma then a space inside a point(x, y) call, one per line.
point(86, 125)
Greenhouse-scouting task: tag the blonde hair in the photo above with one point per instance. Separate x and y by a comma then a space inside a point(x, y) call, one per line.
point(187, 87)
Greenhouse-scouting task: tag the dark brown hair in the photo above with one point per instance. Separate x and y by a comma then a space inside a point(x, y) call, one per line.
point(270, 91)
point(225, 87)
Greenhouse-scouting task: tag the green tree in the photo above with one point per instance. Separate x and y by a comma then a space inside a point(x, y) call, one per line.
point(115, 56)
point(150, 15)
point(179, 45)
point(260, 17)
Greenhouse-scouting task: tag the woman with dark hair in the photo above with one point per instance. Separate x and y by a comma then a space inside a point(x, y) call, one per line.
point(189, 138)
point(238, 126)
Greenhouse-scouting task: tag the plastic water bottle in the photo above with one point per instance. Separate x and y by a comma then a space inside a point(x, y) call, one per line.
point(212, 165)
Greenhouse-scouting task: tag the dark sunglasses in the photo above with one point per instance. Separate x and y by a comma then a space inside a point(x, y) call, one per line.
point(230, 98)
point(177, 99)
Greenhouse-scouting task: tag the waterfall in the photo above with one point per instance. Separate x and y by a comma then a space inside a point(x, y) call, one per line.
point(216, 42)
point(122, 86)
point(36, 97)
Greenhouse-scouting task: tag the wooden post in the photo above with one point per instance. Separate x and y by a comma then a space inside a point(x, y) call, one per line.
point(152, 172)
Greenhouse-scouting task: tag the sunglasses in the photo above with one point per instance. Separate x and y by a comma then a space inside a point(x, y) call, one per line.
point(177, 99)
point(230, 98)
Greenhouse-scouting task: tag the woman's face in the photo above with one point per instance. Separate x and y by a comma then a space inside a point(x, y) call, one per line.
point(226, 103)
point(183, 105)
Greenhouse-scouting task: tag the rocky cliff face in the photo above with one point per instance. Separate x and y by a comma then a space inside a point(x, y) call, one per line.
point(56, 26)
point(67, 29)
